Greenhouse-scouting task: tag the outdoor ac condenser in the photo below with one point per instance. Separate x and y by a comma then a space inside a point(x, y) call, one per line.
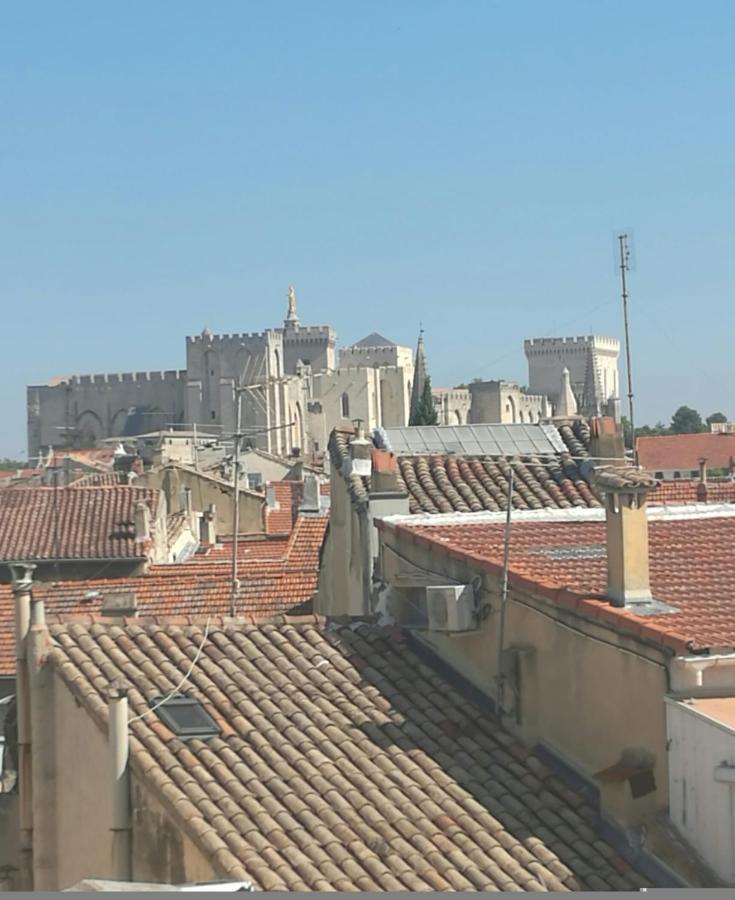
point(451, 607)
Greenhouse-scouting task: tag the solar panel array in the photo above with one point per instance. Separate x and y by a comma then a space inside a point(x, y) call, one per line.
point(474, 440)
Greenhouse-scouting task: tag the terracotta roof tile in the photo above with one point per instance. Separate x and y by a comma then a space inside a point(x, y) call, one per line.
point(361, 825)
point(72, 523)
point(691, 561)
point(683, 451)
point(276, 575)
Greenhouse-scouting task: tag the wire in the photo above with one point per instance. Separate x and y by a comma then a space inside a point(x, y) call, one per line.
point(181, 683)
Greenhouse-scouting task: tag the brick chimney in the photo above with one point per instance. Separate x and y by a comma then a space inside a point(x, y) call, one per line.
point(384, 471)
point(606, 440)
point(625, 490)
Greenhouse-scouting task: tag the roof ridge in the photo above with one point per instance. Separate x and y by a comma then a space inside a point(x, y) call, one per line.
point(183, 619)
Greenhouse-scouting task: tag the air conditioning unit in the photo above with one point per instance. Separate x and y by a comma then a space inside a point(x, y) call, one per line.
point(451, 607)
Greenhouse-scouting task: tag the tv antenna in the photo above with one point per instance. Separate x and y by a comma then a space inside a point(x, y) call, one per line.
point(624, 267)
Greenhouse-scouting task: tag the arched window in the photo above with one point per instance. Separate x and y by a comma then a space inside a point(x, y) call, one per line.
point(344, 406)
point(277, 360)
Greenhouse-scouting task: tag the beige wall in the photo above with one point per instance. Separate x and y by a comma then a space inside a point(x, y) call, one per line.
point(73, 803)
point(205, 491)
point(584, 691)
point(346, 553)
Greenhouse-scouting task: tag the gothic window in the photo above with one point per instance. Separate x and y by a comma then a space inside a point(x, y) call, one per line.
point(278, 363)
point(344, 404)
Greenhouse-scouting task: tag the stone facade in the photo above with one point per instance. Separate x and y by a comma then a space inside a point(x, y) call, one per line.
point(592, 362)
point(292, 395)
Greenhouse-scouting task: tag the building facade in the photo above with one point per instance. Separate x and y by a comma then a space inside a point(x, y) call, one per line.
point(592, 362)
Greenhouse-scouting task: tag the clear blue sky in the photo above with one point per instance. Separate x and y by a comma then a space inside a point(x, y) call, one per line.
point(170, 165)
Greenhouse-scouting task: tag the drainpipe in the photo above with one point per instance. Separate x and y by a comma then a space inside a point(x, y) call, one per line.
point(122, 869)
point(43, 752)
point(22, 580)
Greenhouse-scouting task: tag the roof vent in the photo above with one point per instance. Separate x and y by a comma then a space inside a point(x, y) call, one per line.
point(119, 603)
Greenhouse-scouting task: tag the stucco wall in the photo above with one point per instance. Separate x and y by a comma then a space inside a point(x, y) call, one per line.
point(81, 791)
point(702, 808)
point(342, 575)
point(584, 691)
point(205, 491)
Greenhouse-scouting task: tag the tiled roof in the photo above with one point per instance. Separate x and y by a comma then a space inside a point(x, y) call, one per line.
point(617, 477)
point(691, 562)
point(455, 483)
point(691, 491)
point(43, 523)
point(683, 451)
point(276, 575)
point(344, 762)
point(288, 496)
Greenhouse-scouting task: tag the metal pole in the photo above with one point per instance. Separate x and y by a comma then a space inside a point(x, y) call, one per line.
point(504, 593)
point(236, 510)
point(624, 254)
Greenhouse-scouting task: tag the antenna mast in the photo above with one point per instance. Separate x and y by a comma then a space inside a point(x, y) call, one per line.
point(624, 258)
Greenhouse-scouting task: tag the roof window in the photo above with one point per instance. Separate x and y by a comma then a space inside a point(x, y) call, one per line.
point(186, 717)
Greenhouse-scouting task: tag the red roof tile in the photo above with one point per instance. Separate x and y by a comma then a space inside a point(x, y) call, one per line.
point(288, 496)
point(692, 568)
point(683, 451)
point(275, 576)
point(71, 523)
point(675, 493)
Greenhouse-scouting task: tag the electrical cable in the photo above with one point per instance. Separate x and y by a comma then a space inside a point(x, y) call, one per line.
point(181, 683)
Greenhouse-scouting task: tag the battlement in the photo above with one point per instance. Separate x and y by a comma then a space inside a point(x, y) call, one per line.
point(171, 376)
point(580, 344)
point(309, 333)
point(218, 339)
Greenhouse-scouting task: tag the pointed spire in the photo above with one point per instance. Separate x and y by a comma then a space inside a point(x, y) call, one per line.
point(567, 405)
point(292, 316)
point(422, 405)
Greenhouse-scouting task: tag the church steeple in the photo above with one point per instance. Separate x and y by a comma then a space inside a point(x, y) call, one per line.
point(292, 318)
point(422, 403)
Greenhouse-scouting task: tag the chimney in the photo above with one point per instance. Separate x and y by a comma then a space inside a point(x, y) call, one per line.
point(120, 783)
point(606, 440)
point(359, 460)
point(22, 579)
point(385, 476)
point(310, 497)
point(625, 490)
point(142, 521)
point(208, 526)
point(567, 405)
point(702, 490)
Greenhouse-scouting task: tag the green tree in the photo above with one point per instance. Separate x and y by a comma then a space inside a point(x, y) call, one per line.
point(686, 421)
point(425, 412)
point(7, 463)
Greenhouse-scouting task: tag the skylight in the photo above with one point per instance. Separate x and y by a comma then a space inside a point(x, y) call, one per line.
point(186, 717)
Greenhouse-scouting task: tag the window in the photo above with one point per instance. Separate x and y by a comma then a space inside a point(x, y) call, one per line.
point(186, 717)
point(677, 474)
point(316, 446)
point(344, 405)
point(694, 473)
point(214, 415)
point(659, 475)
point(211, 371)
point(255, 480)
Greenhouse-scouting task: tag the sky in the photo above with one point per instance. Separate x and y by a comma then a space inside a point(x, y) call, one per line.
point(166, 166)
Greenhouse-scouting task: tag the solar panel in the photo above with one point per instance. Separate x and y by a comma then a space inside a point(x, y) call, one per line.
point(475, 440)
